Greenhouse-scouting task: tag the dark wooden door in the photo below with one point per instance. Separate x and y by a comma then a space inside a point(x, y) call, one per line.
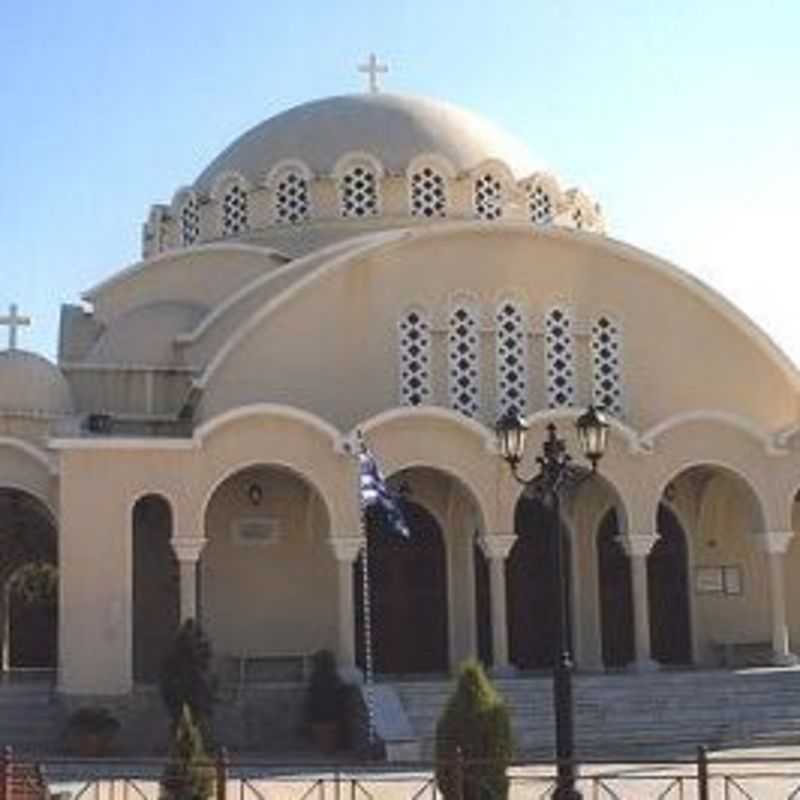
point(531, 587)
point(616, 603)
point(408, 596)
point(668, 588)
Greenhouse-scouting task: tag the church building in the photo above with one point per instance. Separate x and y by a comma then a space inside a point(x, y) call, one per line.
point(395, 266)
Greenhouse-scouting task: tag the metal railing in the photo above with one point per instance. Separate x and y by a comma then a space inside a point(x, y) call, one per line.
point(703, 777)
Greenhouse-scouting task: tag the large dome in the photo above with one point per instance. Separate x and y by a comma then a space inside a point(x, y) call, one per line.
point(392, 128)
point(30, 383)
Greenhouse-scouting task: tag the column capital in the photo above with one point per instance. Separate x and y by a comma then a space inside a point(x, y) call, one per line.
point(497, 545)
point(638, 544)
point(774, 542)
point(188, 548)
point(346, 548)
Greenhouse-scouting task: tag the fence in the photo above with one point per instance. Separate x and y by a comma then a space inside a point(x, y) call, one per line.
point(700, 778)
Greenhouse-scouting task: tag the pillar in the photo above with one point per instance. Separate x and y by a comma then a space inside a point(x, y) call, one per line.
point(346, 550)
point(187, 551)
point(775, 544)
point(638, 546)
point(496, 547)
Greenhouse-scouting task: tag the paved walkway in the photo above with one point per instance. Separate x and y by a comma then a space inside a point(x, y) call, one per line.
point(763, 774)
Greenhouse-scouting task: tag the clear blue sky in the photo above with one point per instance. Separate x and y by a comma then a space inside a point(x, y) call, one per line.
point(683, 118)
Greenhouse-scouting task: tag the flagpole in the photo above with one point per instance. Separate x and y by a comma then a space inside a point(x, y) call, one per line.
point(367, 615)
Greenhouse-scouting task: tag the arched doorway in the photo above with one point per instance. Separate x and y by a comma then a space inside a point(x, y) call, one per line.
point(408, 595)
point(28, 583)
point(616, 604)
point(668, 592)
point(531, 586)
point(156, 609)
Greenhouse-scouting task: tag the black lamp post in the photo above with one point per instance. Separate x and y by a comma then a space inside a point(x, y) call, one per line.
point(555, 471)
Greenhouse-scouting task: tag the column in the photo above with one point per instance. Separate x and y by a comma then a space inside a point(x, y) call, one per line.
point(496, 547)
point(187, 551)
point(638, 546)
point(346, 550)
point(775, 544)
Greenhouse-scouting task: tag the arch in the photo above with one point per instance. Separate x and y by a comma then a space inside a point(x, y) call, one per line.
point(268, 579)
point(36, 453)
point(705, 295)
point(464, 357)
point(606, 343)
point(543, 195)
point(185, 210)
point(414, 357)
point(358, 177)
point(428, 182)
point(512, 327)
point(289, 183)
point(155, 590)
point(560, 355)
point(408, 583)
point(28, 560)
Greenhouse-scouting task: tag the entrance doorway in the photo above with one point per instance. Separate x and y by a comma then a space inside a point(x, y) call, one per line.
point(408, 595)
point(531, 586)
point(616, 602)
point(668, 587)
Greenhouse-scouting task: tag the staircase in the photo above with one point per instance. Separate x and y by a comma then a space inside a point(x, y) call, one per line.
point(31, 719)
point(668, 713)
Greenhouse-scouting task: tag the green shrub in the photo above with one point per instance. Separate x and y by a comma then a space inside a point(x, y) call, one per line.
point(189, 774)
point(473, 740)
point(186, 678)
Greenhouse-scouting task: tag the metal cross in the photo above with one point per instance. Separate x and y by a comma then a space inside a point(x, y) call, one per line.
point(14, 321)
point(373, 69)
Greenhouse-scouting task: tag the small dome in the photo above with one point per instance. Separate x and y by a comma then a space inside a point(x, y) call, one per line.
point(394, 129)
point(31, 383)
point(144, 335)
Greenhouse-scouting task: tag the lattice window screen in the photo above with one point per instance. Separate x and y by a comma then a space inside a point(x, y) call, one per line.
point(463, 359)
point(414, 341)
point(190, 221)
point(607, 366)
point(234, 210)
point(359, 192)
point(428, 193)
point(560, 358)
point(540, 205)
point(511, 354)
point(488, 198)
point(291, 198)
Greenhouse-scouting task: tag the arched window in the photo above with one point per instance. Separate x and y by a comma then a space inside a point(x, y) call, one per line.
point(463, 360)
point(488, 197)
point(234, 210)
point(291, 201)
point(414, 342)
point(511, 356)
point(189, 221)
point(607, 365)
point(540, 204)
point(578, 219)
point(559, 358)
point(358, 191)
point(428, 190)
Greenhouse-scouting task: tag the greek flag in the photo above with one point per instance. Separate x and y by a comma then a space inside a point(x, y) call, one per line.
point(375, 492)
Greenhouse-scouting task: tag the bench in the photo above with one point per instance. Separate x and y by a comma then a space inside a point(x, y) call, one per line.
point(744, 654)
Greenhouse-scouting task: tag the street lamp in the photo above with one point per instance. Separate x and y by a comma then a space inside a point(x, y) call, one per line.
point(555, 471)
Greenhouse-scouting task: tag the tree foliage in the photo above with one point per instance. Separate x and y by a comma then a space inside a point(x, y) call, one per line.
point(473, 740)
point(189, 773)
point(186, 679)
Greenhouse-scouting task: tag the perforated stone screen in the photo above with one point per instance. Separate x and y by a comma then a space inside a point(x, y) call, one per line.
point(540, 206)
point(511, 354)
point(606, 366)
point(234, 211)
point(428, 194)
point(414, 341)
point(559, 358)
point(291, 198)
point(488, 199)
point(190, 222)
point(463, 358)
point(359, 192)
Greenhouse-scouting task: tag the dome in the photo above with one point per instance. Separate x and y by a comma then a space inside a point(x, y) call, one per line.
point(392, 128)
point(30, 383)
point(144, 336)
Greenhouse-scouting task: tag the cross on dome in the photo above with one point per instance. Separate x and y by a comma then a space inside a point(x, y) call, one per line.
point(373, 69)
point(14, 321)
